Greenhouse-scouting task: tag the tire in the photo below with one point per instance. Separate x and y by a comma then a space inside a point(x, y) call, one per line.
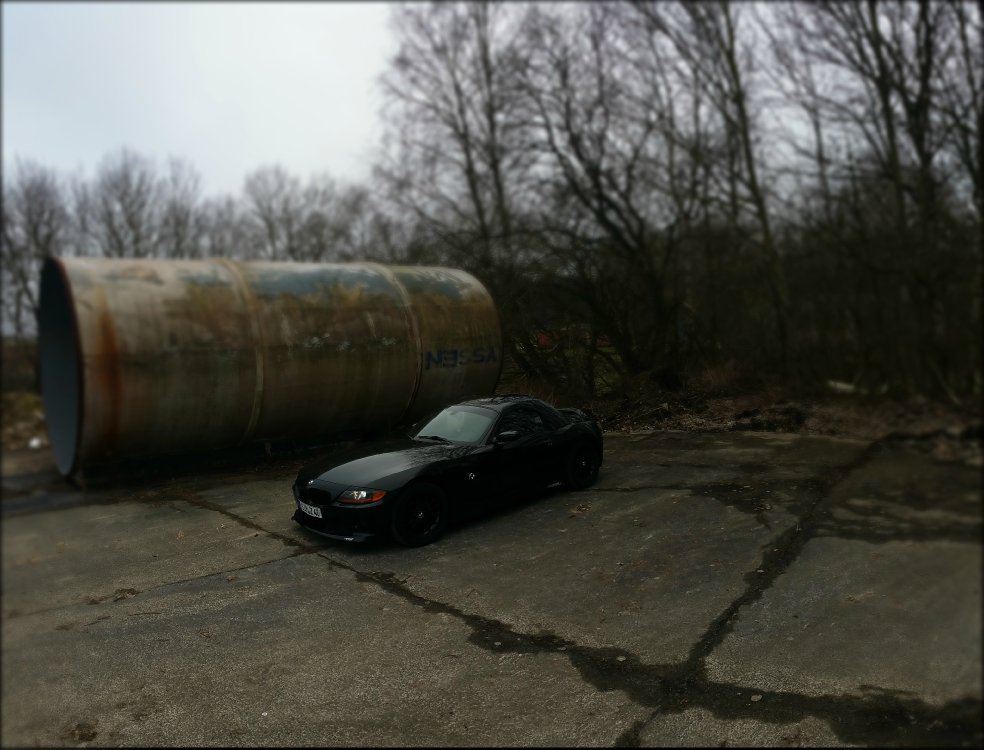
point(420, 515)
point(582, 466)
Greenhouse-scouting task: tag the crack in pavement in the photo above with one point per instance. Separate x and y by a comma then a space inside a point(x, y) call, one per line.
point(852, 720)
point(300, 548)
point(192, 499)
point(878, 717)
point(189, 497)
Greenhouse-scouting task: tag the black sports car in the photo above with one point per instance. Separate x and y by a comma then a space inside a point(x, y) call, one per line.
point(464, 458)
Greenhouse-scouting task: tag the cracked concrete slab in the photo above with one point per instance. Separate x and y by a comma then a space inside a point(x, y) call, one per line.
point(649, 610)
point(90, 553)
point(893, 561)
point(815, 631)
point(608, 574)
point(296, 651)
point(620, 553)
point(699, 727)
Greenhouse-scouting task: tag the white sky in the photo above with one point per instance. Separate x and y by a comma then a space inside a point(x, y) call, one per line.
point(228, 86)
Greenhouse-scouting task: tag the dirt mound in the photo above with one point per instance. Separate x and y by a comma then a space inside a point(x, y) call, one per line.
point(773, 411)
point(779, 417)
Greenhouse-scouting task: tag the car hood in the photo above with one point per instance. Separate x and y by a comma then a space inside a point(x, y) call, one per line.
point(383, 465)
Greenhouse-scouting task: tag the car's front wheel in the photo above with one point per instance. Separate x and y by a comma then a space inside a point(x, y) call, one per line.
point(420, 515)
point(582, 466)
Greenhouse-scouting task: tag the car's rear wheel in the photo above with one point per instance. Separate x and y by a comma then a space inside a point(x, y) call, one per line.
point(582, 466)
point(420, 515)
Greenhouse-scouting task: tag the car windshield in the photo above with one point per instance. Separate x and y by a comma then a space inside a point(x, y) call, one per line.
point(458, 424)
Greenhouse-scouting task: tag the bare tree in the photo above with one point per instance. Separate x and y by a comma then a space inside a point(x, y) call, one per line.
point(275, 203)
point(226, 228)
point(646, 188)
point(334, 218)
point(961, 97)
point(456, 157)
point(903, 77)
point(354, 223)
point(118, 213)
point(600, 153)
point(317, 221)
point(182, 219)
point(35, 225)
point(318, 237)
point(708, 36)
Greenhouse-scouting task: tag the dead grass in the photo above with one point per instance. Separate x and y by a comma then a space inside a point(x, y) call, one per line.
point(726, 398)
point(21, 420)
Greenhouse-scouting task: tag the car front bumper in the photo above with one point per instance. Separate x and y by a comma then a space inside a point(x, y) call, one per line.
point(346, 524)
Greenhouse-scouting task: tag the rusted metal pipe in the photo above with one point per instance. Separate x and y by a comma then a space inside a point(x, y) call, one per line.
point(148, 357)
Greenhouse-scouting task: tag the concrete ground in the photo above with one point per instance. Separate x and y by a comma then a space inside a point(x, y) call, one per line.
point(712, 588)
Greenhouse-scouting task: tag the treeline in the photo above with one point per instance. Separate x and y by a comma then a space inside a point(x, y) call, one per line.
point(132, 208)
point(649, 190)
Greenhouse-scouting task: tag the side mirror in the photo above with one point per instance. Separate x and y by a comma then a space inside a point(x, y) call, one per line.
point(508, 436)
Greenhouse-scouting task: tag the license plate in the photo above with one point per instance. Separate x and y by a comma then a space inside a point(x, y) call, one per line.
point(309, 509)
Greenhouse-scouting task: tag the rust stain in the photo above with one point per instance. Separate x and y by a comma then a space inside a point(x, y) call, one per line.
point(275, 350)
point(135, 273)
point(107, 374)
point(244, 293)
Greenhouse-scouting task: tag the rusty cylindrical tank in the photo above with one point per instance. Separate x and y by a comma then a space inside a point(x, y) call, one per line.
point(145, 357)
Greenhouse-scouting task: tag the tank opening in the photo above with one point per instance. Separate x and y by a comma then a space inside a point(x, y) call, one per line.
point(61, 371)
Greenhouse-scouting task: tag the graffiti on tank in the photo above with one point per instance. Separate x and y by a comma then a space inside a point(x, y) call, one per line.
point(457, 357)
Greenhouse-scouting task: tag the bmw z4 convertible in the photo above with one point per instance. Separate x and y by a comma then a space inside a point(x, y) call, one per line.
point(465, 458)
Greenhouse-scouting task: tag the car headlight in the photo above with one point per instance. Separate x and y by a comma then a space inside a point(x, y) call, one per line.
point(360, 496)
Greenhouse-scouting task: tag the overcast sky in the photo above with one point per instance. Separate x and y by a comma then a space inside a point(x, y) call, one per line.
point(228, 86)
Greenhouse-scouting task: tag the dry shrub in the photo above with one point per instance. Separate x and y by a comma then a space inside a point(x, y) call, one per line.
point(19, 358)
point(726, 378)
point(22, 419)
point(532, 386)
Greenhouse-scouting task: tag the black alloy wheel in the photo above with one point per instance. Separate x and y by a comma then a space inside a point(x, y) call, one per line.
point(582, 466)
point(420, 515)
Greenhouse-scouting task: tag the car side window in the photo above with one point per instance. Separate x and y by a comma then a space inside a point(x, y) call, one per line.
point(551, 417)
point(522, 419)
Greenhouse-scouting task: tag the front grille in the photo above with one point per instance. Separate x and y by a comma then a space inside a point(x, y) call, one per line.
point(314, 496)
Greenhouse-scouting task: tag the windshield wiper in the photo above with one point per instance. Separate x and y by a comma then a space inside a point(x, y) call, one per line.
point(433, 437)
